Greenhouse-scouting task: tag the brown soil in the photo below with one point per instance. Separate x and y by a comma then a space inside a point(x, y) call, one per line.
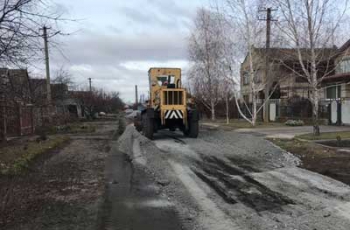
point(320, 159)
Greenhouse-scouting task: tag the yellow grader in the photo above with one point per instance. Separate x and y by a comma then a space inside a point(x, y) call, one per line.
point(167, 107)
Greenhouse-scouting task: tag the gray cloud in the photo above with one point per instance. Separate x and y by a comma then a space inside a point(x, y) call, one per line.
point(116, 52)
point(95, 48)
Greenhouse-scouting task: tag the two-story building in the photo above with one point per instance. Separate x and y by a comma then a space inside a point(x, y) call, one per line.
point(337, 87)
point(284, 69)
point(279, 70)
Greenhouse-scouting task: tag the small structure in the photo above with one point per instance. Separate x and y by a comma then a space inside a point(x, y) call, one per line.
point(15, 103)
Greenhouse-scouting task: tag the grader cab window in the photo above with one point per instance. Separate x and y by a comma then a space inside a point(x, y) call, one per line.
point(165, 80)
point(162, 80)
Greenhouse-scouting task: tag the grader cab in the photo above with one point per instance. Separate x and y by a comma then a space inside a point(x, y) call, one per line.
point(167, 107)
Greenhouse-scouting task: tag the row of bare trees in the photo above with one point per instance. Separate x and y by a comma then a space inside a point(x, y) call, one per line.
point(226, 34)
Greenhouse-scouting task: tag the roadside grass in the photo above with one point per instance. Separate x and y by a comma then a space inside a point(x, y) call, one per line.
point(15, 158)
point(325, 136)
point(72, 128)
point(318, 158)
point(240, 123)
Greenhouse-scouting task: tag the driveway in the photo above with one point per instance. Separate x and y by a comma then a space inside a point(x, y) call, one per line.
point(290, 132)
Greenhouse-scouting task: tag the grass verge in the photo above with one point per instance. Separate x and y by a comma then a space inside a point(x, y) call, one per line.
point(325, 136)
point(318, 158)
point(240, 124)
point(72, 128)
point(15, 158)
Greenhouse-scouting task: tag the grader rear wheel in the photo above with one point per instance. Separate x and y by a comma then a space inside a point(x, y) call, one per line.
point(147, 126)
point(193, 129)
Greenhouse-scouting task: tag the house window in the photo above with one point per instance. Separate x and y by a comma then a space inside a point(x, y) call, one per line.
point(246, 98)
point(258, 77)
point(333, 92)
point(245, 78)
point(343, 66)
point(301, 80)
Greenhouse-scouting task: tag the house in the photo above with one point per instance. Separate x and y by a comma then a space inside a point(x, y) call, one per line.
point(67, 105)
point(285, 78)
point(284, 70)
point(80, 101)
point(337, 87)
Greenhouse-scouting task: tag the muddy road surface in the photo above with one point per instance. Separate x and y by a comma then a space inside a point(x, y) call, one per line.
point(222, 180)
point(62, 189)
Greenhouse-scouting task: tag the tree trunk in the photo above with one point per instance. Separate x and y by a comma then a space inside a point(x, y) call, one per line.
point(212, 106)
point(4, 129)
point(316, 127)
point(254, 115)
point(227, 110)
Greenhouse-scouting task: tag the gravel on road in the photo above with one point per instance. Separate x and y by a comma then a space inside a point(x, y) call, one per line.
point(230, 180)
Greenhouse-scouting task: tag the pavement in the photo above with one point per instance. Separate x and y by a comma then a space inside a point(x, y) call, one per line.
point(291, 132)
point(222, 180)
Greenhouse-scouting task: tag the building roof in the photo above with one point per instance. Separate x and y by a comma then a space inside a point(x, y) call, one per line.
point(345, 46)
point(286, 54)
point(340, 77)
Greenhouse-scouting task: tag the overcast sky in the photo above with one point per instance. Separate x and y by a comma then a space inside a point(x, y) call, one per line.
point(118, 41)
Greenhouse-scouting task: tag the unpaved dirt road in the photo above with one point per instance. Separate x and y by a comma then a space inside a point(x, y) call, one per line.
point(62, 189)
point(222, 180)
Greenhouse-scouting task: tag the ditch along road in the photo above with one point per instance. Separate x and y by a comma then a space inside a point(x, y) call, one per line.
point(221, 180)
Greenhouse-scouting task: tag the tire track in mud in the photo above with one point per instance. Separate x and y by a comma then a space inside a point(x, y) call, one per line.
point(234, 185)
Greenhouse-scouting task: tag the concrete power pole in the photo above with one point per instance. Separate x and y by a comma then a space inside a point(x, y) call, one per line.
point(268, 20)
point(136, 96)
point(47, 63)
point(90, 88)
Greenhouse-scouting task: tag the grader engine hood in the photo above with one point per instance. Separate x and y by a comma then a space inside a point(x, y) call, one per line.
point(173, 104)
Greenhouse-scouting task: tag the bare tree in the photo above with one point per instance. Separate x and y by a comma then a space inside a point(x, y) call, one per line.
point(242, 15)
point(206, 50)
point(63, 76)
point(310, 26)
point(20, 23)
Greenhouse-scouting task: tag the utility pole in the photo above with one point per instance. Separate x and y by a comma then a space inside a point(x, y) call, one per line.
point(90, 88)
point(136, 96)
point(47, 62)
point(268, 20)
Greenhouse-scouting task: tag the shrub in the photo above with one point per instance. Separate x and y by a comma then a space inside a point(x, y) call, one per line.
point(294, 123)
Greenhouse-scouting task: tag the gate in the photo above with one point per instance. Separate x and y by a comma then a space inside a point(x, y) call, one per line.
point(345, 112)
point(273, 110)
point(339, 112)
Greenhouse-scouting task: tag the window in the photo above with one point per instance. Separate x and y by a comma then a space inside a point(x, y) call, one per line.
point(333, 92)
point(258, 77)
point(171, 79)
point(300, 80)
point(245, 78)
point(246, 98)
point(162, 80)
point(343, 66)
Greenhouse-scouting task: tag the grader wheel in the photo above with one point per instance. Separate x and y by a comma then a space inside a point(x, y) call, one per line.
point(147, 126)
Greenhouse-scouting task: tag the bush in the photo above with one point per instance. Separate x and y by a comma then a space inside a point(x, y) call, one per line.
point(294, 123)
